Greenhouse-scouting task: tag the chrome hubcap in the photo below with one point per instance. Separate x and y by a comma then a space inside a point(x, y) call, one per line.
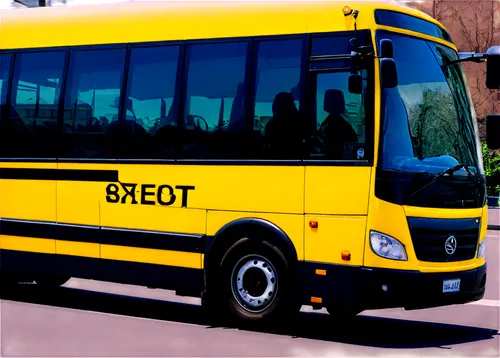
point(254, 283)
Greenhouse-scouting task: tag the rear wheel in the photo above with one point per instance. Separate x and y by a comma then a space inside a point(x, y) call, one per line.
point(257, 283)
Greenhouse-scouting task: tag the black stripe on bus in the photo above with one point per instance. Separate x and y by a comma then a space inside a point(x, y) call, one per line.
point(104, 235)
point(189, 281)
point(59, 174)
point(204, 162)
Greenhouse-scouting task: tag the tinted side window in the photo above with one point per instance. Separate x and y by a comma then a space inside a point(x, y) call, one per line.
point(5, 62)
point(337, 44)
point(33, 121)
point(5, 65)
point(91, 104)
point(339, 119)
point(151, 103)
point(407, 22)
point(214, 119)
point(277, 124)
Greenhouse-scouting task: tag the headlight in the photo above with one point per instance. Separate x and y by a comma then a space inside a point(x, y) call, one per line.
point(387, 247)
point(481, 249)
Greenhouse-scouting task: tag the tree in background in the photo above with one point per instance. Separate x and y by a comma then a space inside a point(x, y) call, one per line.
point(492, 170)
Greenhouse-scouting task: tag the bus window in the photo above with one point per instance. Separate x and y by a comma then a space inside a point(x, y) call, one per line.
point(5, 64)
point(33, 120)
point(151, 90)
point(214, 119)
point(91, 103)
point(339, 131)
point(277, 96)
point(338, 44)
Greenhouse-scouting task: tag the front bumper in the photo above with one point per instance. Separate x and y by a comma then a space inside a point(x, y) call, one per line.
point(361, 288)
point(416, 290)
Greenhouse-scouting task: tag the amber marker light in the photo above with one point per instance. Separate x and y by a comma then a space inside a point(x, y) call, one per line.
point(346, 256)
point(347, 10)
point(320, 272)
point(316, 300)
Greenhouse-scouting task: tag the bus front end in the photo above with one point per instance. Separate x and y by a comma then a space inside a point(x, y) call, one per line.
point(427, 222)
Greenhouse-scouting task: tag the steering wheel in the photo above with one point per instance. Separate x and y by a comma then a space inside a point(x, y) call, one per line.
point(196, 119)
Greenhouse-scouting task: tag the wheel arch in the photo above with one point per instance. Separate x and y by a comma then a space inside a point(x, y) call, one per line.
point(255, 229)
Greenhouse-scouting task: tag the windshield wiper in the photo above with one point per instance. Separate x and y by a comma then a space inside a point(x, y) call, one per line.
point(448, 171)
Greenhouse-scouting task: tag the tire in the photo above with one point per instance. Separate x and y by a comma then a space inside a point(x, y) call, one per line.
point(51, 281)
point(257, 284)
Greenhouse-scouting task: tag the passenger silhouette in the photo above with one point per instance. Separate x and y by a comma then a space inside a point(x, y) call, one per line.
point(335, 129)
point(283, 133)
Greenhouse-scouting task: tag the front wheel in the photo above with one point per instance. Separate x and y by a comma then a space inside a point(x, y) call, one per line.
point(257, 282)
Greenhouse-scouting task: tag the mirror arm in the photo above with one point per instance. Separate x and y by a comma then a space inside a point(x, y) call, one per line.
point(470, 57)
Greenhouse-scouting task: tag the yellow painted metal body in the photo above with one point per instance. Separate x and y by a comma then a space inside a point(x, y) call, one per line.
point(28, 199)
point(165, 21)
point(340, 199)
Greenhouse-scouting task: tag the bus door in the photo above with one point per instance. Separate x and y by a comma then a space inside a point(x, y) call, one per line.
point(338, 168)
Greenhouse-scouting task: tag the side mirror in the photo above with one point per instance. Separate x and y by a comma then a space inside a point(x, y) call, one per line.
point(355, 83)
point(493, 68)
point(493, 131)
point(388, 73)
point(386, 48)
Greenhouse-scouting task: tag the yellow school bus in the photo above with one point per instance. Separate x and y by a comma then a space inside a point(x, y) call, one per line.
point(259, 155)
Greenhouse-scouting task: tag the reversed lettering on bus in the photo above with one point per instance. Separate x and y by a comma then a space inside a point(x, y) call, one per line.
point(147, 194)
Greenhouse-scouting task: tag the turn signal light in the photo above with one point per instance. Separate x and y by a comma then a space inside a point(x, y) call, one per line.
point(313, 224)
point(320, 272)
point(316, 300)
point(346, 256)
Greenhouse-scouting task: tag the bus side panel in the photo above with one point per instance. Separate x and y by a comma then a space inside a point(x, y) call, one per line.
point(78, 203)
point(337, 190)
point(175, 199)
point(151, 256)
point(154, 198)
point(334, 236)
point(265, 189)
point(131, 203)
point(292, 225)
point(259, 189)
point(156, 214)
point(337, 200)
point(164, 221)
point(154, 218)
point(27, 193)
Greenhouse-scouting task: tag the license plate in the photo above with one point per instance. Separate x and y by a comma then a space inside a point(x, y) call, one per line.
point(451, 285)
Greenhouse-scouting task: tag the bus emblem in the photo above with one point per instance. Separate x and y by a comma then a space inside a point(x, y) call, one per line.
point(450, 245)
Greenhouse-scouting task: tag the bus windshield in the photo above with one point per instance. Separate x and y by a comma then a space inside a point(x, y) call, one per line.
point(428, 121)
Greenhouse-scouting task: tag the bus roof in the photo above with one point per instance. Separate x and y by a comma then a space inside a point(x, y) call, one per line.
point(149, 21)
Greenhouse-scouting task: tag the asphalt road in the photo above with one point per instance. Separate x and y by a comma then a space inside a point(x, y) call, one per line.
point(494, 217)
point(91, 318)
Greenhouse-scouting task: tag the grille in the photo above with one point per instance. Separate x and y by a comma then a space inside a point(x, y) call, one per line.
point(429, 237)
